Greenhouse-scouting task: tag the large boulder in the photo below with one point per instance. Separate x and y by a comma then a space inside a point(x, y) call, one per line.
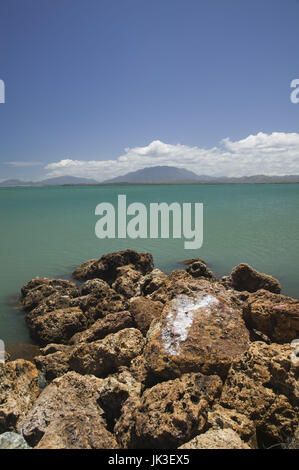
point(38, 289)
point(56, 326)
point(126, 282)
point(168, 414)
point(144, 311)
point(245, 278)
point(195, 334)
point(106, 267)
point(107, 355)
point(103, 327)
point(263, 385)
point(67, 415)
point(216, 439)
point(19, 388)
point(275, 315)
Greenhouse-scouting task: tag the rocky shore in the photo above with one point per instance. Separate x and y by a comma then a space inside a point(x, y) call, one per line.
point(134, 358)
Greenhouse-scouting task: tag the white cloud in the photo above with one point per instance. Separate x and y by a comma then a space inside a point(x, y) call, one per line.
point(269, 154)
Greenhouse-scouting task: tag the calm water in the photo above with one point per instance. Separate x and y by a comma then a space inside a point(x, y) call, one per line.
point(49, 231)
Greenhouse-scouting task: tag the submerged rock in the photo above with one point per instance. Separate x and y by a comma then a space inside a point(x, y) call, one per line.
point(18, 390)
point(106, 267)
point(275, 315)
point(245, 278)
point(195, 334)
point(12, 440)
point(169, 413)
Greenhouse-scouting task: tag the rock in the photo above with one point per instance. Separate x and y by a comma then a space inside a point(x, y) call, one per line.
point(107, 355)
point(263, 385)
point(144, 311)
point(275, 315)
point(293, 441)
point(113, 393)
point(11, 440)
point(67, 415)
point(36, 290)
point(18, 390)
point(98, 287)
point(216, 439)
point(150, 282)
point(126, 281)
point(106, 267)
point(198, 269)
point(57, 326)
point(180, 282)
point(139, 370)
point(168, 414)
point(195, 334)
point(103, 327)
point(54, 361)
point(245, 278)
point(224, 418)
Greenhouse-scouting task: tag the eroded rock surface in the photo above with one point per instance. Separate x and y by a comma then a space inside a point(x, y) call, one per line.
point(216, 439)
point(245, 278)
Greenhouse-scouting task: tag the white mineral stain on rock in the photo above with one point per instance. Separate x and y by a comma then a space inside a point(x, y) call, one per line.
point(180, 319)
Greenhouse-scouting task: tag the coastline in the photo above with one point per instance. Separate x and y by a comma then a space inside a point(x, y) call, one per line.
point(162, 358)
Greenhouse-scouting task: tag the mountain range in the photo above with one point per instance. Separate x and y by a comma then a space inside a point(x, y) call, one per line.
point(156, 175)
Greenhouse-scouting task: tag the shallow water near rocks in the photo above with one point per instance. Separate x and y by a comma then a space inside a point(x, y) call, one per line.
point(49, 231)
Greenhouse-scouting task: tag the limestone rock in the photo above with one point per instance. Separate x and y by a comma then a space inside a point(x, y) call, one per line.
point(126, 281)
point(54, 361)
point(168, 414)
point(36, 290)
point(103, 327)
point(198, 269)
point(18, 390)
point(195, 334)
point(216, 439)
point(57, 326)
point(12, 440)
point(67, 415)
point(245, 278)
point(106, 267)
point(150, 282)
point(275, 315)
point(144, 311)
point(263, 384)
point(107, 355)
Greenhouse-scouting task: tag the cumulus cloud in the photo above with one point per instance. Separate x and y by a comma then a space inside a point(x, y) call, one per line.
point(268, 154)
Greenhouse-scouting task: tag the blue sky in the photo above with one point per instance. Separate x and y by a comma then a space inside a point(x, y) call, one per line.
point(97, 88)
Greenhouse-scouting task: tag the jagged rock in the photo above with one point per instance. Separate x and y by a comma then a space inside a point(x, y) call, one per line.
point(216, 439)
point(198, 269)
point(54, 361)
point(180, 282)
point(224, 418)
point(114, 391)
point(195, 334)
point(98, 287)
point(18, 390)
point(67, 415)
point(38, 289)
point(12, 440)
point(245, 278)
point(275, 315)
point(106, 267)
point(57, 326)
point(150, 282)
point(168, 414)
point(263, 385)
point(104, 327)
point(144, 311)
point(126, 281)
point(107, 355)
point(139, 370)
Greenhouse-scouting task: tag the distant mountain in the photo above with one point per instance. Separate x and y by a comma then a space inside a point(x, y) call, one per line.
point(156, 174)
point(67, 180)
point(60, 180)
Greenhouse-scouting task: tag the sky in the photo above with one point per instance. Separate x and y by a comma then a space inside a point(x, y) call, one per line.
point(97, 88)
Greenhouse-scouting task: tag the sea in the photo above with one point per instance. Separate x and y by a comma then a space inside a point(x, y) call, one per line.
point(48, 231)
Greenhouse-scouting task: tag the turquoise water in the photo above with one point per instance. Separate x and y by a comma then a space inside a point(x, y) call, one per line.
point(49, 231)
